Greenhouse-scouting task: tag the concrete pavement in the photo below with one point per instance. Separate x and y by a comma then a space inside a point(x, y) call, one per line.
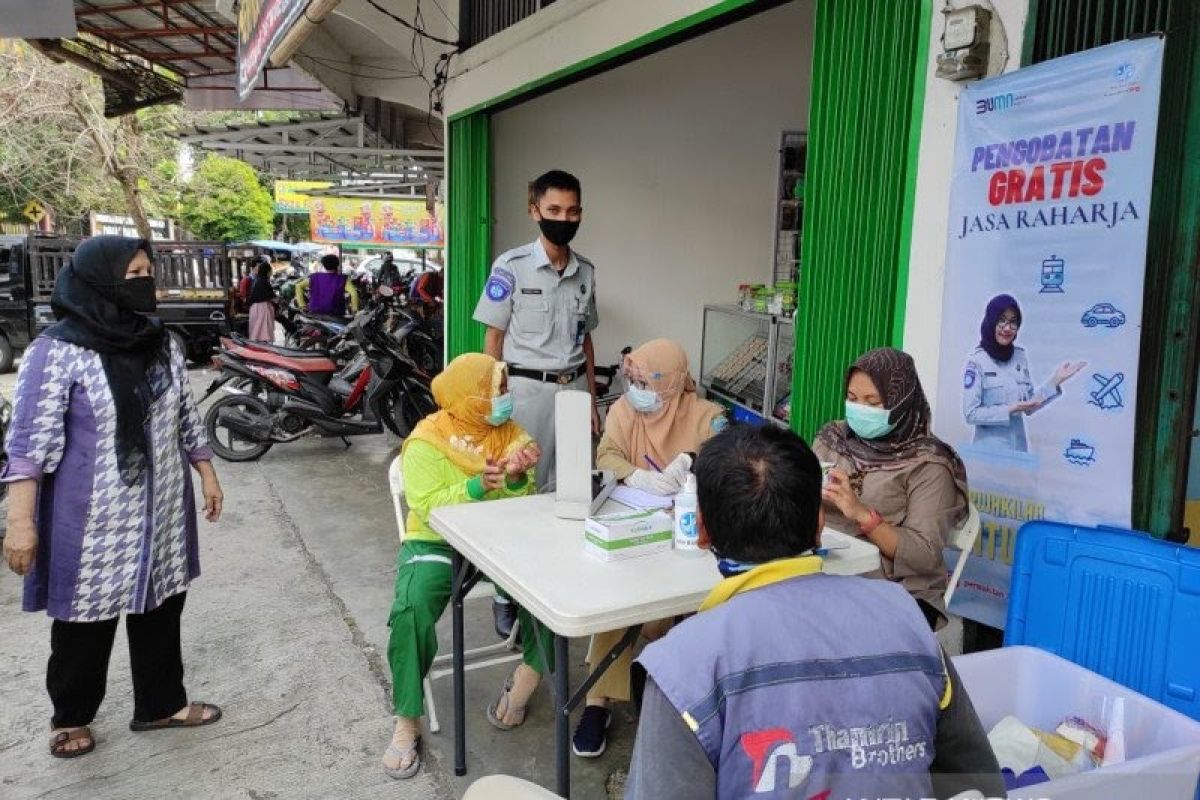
point(287, 631)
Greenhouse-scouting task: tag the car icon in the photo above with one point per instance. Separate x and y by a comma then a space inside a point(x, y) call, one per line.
point(1103, 314)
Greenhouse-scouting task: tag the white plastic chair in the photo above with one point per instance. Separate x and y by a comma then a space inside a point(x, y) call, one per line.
point(481, 589)
point(963, 540)
point(506, 787)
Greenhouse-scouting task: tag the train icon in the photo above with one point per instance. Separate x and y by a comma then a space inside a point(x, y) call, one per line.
point(1054, 274)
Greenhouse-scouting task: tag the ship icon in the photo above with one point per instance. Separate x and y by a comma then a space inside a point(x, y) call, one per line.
point(1080, 453)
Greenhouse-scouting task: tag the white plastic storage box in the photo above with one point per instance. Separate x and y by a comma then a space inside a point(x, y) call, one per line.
point(1162, 746)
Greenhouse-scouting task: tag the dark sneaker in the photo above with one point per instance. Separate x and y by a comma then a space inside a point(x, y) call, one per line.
point(505, 616)
point(591, 735)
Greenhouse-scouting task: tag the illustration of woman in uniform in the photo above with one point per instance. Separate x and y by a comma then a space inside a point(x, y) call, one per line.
point(998, 392)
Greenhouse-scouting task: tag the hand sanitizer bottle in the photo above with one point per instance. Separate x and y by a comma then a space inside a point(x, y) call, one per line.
point(687, 527)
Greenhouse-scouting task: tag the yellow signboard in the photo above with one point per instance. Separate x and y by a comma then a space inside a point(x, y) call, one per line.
point(34, 212)
point(396, 223)
point(291, 199)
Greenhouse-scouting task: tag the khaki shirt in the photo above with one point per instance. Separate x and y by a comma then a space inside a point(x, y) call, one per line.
point(923, 502)
point(545, 314)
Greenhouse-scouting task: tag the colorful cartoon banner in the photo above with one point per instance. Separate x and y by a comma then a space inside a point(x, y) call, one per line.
point(395, 223)
point(290, 197)
point(1042, 311)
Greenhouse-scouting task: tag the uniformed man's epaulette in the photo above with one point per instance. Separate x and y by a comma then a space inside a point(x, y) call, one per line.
point(517, 252)
point(584, 260)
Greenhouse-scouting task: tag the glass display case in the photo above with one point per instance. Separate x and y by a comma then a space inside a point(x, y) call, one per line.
point(746, 362)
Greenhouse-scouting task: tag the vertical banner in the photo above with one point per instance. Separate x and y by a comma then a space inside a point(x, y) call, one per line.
point(261, 26)
point(1042, 311)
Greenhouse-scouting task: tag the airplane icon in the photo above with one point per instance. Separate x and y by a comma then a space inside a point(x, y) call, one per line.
point(1108, 394)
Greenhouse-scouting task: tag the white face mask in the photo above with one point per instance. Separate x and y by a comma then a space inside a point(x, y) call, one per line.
point(644, 401)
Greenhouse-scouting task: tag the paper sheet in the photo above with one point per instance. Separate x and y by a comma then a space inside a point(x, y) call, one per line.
point(636, 498)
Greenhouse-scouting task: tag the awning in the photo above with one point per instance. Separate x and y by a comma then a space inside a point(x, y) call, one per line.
point(337, 147)
point(158, 51)
point(291, 247)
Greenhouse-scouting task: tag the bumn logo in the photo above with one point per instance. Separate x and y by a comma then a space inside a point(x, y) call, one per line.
point(1000, 102)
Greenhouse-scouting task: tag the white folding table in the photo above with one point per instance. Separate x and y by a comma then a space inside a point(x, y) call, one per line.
point(540, 561)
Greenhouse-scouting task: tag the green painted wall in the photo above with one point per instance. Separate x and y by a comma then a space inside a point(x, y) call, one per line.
point(470, 230)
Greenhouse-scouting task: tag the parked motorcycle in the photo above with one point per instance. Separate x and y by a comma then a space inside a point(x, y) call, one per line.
point(296, 393)
point(312, 331)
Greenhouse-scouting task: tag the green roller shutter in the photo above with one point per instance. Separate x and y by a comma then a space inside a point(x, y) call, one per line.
point(869, 65)
point(470, 246)
point(1171, 324)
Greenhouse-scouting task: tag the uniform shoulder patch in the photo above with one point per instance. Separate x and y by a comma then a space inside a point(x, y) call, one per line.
point(500, 285)
point(970, 376)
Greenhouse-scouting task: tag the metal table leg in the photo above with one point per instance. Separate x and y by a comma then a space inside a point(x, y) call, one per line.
point(457, 592)
point(562, 709)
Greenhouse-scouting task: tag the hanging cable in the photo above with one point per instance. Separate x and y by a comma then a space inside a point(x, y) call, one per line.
point(410, 26)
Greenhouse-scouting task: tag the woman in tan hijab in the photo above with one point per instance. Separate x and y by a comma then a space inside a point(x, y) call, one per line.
point(649, 438)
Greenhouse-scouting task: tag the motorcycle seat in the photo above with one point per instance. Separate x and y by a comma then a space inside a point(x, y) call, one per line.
point(309, 363)
point(286, 352)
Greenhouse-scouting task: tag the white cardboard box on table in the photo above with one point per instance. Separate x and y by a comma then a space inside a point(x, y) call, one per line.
point(627, 534)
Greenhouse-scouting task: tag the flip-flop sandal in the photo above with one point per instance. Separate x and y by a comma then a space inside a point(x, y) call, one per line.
point(404, 772)
point(194, 719)
point(496, 718)
point(58, 743)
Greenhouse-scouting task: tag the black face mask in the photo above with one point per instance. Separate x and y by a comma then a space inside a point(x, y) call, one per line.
point(136, 294)
point(559, 232)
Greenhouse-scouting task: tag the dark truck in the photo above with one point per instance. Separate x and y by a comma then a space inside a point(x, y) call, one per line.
point(195, 280)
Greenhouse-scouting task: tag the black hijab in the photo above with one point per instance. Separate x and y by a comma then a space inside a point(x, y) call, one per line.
point(260, 289)
point(129, 343)
point(987, 329)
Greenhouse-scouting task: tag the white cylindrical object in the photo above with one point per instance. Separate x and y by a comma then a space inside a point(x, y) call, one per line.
point(1114, 748)
point(687, 524)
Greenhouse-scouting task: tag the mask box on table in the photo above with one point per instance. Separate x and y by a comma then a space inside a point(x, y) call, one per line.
point(626, 534)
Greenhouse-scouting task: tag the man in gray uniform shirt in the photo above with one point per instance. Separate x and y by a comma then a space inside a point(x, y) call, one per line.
point(539, 306)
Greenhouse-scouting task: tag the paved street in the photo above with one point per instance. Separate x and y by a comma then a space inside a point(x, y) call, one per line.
point(287, 630)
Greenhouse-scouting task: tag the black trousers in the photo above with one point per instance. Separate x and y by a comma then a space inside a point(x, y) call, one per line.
point(77, 674)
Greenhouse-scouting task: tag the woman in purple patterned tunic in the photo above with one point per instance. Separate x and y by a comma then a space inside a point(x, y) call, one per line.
point(102, 519)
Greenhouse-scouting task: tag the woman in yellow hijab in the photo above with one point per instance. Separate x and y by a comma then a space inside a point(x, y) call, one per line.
point(469, 451)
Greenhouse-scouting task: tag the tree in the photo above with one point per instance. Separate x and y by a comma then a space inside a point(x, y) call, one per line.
point(292, 227)
point(225, 201)
point(57, 147)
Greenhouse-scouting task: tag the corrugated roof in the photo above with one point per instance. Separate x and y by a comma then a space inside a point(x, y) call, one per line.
point(187, 37)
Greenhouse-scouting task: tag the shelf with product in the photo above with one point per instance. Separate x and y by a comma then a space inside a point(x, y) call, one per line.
point(789, 197)
point(745, 362)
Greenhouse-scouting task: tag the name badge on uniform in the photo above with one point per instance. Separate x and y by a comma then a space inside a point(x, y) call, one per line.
point(531, 291)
